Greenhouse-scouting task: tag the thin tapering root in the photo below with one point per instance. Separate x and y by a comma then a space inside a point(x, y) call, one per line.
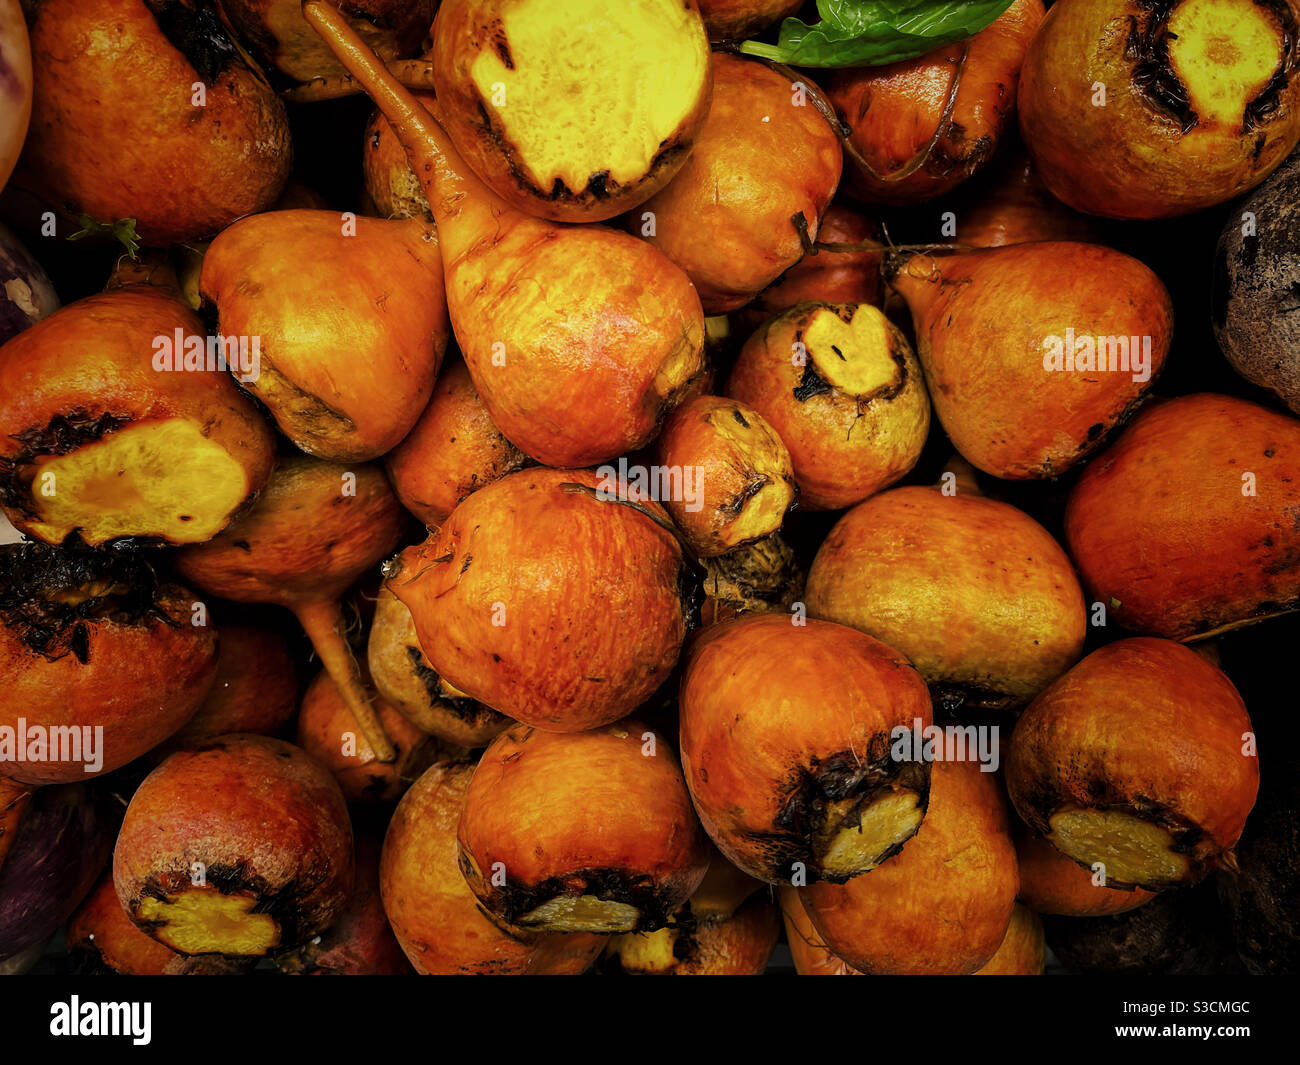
point(415, 74)
point(324, 625)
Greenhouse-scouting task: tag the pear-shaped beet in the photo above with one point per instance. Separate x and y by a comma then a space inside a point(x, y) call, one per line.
point(109, 430)
point(315, 530)
point(976, 593)
point(351, 320)
point(147, 111)
point(579, 338)
point(549, 598)
point(1187, 525)
point(1033, 353)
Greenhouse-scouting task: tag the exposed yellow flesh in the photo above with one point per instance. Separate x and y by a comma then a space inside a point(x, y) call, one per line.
point(853, 356)
point(893, 818)
point(157, 478)
point(1133, 851)
point(1224, 53)
point(764, 511)
point(201, 920)
point(582, 913)
point(645, 952)
point(594, 87)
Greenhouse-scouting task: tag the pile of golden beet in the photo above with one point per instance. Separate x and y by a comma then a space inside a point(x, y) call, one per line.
point(523, 479)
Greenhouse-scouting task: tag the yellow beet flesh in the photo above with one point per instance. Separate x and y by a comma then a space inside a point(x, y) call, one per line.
point(154, 478)
point(854, 356)
point(858, 848)
point(201, 920)
point(1132, 850)
point(585, 913)
point(546, 99)
point(1224, 54)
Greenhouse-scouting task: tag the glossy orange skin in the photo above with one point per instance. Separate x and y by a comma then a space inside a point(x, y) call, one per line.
point(1052, 883)
point(360, 942)
point(894, 110)
point(725, 470)
point(357, 322)
point(844, 447)
point(981, 319)
point(1211, 556)
point(304, 540)
point(390, 182)
point(1023, 950)
point(1141, 723)
point(763, 699)
point(810, 954)
point(255, 807)
point(825, 276)
point(738, 19)
point(461, 31)
point(760, 159)
point(975, 592)
point(1013, 206)
point(1127, 159)
point(141, 682)
point(255, 689)
point(434, 914)
point(115, 134)
point(278, 34)
point(96, 355)
point(886, 922)
point(551, 805)
point(454, 449)
point(324, 721)
point(587, 591)
point(101, 927)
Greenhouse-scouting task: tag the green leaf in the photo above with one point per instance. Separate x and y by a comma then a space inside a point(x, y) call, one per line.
point(857, 33)
point(123, 231)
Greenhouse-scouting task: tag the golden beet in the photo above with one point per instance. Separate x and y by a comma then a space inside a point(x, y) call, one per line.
point(390, 182)
point(1209, 487)
point(583, 375)
point(435, 916)
point(1023, 950)
point(976, 593)
point(581, 832)
point(752, 194)
point(786, 736)
point(1151, 110)
point(1141, 758)
point(738, 19)
point(351, 320)
point(735, 477)
point(316, 529)
point(941, 906)
point(1034, 353)
point(841, 386)
point(548, 599)
point(238, 847)
point(608, 139)
point(103, 435)
point(119, 131)
point(454, 449)
point(100, 661)
point(899, 116)
point(808, 950)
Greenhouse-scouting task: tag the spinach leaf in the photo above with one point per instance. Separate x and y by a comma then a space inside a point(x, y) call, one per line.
point(854, 33)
